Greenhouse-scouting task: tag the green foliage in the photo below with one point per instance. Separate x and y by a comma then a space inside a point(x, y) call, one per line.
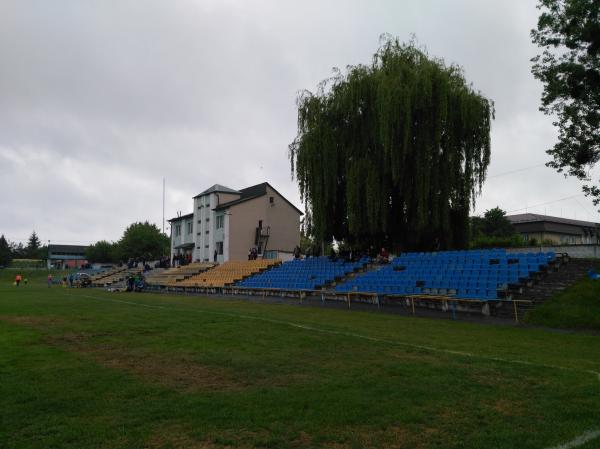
point(306, 243)
point(576, 307)
point(18, 250)
point(102, 251)
point(27, 263)
point(514, 241)
point(392, 153)
point(33, 246)
point(5, 252)
point(139, 241)
point(143, 241)
point(568, 31)
point(494, 230)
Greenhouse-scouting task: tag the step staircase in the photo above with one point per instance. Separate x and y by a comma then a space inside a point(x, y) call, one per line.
point(550, 284)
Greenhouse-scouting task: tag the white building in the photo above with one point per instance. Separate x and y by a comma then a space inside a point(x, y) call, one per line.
point(230, 222)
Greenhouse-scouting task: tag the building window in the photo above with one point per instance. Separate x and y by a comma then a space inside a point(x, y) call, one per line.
point(190, 227)
point(219, 248)
point(207, 231)
point(206, 246)
point(177, 230)
point(220, 221)
point(200, 207)
point(271, 200)
point(208, 219)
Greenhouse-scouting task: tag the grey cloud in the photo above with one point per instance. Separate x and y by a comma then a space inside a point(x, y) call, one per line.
point(101, 99)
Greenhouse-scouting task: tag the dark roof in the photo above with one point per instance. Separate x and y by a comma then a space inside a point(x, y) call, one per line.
point(217, 188)
point(534, 218)
point(184, 246)
point(69, 249)
point(252, 192)
point(181, 218)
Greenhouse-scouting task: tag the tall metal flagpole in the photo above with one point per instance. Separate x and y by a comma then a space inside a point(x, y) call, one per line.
point(163, 226)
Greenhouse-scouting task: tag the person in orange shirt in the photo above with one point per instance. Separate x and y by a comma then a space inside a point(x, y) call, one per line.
point(18, 279)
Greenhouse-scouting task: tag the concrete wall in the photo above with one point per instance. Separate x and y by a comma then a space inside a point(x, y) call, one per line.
point(282, 219)
point(243, 220)
point(576, 251)
point(184, 237)
point(557, 239)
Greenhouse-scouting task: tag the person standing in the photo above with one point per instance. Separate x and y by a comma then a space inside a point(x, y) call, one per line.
point(18, 279)
point(49, 280)
point(215, 256)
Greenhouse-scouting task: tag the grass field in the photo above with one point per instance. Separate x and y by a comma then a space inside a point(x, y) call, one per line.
point(577, 307)
point(91, 369)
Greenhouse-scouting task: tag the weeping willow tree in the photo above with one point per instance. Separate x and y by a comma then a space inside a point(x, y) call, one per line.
point(393, 153)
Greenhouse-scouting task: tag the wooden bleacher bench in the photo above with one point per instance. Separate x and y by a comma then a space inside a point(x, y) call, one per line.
point(226, 273)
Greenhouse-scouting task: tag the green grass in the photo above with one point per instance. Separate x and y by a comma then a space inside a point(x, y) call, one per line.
point(577, 307)
point(91, 369)
point(36, 276)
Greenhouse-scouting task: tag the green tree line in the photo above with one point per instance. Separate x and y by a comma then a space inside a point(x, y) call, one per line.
point(139, 241)
point(12, 250)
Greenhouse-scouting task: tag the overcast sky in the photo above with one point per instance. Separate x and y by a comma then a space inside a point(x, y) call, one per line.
point(99, 100)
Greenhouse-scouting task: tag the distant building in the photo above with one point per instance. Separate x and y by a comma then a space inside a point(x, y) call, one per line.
point(561, 231)
point(231, 222)
point(66, 256)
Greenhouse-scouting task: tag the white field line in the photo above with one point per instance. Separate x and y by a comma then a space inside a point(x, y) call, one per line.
point(580, 440)
point(347, 334)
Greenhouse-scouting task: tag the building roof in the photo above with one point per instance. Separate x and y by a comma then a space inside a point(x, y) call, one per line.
point(217, 188)
point(252, 192)
point(534, 218)
point(190, 215)
point(67, 249)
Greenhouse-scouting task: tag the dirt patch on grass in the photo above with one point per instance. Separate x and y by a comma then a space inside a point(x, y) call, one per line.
point(176, 436)
point(391, 437)
point(507, 407)
point(177, 371)
point(31, 321)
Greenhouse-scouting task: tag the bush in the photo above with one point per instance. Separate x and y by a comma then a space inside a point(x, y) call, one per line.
point(499, 242)
point(27, 263)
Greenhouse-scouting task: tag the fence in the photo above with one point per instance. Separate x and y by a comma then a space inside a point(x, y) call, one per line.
point(590, 251)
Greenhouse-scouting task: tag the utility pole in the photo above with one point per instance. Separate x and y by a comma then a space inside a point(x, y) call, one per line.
point(163, 217)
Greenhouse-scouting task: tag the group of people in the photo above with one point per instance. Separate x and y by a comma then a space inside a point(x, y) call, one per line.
point(70, 281)
point(135, 263)
point(179, 260)
point(135, 283)
point(253, 253)
point(163, 262)
point(348, 255)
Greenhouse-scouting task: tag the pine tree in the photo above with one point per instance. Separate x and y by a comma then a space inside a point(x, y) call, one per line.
point(33, 245)
point(5, 252)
